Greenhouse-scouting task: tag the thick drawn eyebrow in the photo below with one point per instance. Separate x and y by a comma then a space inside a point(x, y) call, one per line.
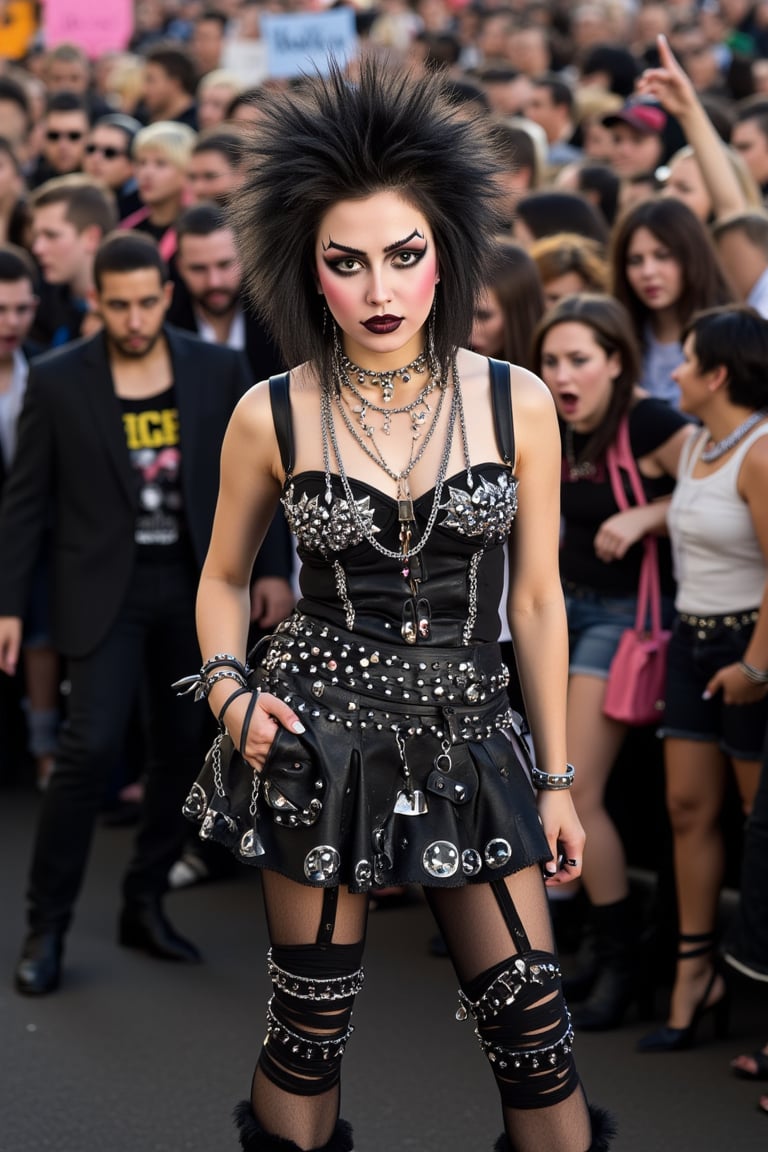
point(357, 252)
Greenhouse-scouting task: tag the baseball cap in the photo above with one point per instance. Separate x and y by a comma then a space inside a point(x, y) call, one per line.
point(649, 119)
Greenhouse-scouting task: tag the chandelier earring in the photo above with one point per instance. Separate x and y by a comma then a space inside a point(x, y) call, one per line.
point(432, 361)
point(338, 352)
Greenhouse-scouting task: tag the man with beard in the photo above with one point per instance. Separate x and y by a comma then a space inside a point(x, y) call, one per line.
point(118, 445)
point(209, 301)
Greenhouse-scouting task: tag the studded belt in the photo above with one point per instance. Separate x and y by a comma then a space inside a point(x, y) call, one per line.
point(734, 621)
point(456, 693)
point(395, 673)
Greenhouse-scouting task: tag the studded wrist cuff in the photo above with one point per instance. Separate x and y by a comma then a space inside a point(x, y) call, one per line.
point(552, 781)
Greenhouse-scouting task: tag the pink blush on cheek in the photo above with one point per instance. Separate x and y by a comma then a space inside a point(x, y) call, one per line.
point(423, 286)
point(336, 291)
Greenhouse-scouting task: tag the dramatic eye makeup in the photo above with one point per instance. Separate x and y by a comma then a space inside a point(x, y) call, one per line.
point(349, 259)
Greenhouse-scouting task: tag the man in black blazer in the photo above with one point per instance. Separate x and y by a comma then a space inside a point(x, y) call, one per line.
point(119, 439)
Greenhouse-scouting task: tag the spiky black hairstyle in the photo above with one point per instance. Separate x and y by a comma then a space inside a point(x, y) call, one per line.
point(334, 140)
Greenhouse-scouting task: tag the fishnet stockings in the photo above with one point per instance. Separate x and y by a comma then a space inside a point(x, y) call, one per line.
point(478, 938)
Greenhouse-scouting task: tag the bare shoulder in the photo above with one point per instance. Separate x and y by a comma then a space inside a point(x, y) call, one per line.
point(754, 469)
point(530, 395)
point(252, 428)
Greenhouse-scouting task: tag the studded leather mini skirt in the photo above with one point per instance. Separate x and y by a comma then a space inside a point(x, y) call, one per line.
point(411, 769)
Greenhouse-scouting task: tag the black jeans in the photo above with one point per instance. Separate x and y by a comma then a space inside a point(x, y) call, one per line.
point(151, 644)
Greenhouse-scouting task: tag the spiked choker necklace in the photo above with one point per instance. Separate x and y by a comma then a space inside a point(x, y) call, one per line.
point(384, 379)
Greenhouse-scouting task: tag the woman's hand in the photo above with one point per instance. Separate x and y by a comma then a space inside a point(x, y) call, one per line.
point(618, 533)
point(564, 834)
point(268, 714)
point(735, 686)
point(668, 84)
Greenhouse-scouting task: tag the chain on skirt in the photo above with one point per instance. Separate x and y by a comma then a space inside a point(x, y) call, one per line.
point(411, 770)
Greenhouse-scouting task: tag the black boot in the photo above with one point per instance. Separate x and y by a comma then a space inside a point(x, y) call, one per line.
point(603, 1131)
point(253, 1138)
point(580, 972)
point(144, 925)
point(614, 985)
point(38, 971)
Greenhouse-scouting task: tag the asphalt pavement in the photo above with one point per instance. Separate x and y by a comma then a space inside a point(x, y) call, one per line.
point(136, 1055)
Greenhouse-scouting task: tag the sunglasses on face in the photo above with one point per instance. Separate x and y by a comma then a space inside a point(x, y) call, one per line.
point(53, 136)
point(107, 151)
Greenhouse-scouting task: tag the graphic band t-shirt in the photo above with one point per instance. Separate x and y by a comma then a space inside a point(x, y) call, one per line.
point(152, 435)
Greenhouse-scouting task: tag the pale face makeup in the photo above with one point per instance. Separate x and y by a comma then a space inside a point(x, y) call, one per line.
point(579, 374)
point(376, 266)
point(653, 272)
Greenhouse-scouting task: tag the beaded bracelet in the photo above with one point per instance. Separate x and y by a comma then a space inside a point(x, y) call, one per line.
point(754, 675)
point(552, 781)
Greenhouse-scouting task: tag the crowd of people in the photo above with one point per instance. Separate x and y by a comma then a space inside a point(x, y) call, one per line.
point(145, 285)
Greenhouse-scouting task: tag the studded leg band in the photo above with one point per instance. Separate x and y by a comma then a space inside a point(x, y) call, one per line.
point(524, 1029)
point(308, 1015)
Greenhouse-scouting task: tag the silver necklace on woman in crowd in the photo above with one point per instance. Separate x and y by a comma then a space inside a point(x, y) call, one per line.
point(720, 447)
point(577, 469)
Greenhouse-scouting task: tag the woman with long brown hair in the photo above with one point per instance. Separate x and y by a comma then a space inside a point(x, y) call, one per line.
point(663, 270)
point(587, 354)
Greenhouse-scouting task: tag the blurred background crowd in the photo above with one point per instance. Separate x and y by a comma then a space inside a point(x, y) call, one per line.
point(635, 138)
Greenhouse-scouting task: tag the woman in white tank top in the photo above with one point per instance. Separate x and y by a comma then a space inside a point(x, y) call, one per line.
point(718, 661)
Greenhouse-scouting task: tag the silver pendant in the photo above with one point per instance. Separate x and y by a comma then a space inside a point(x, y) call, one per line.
point(414, 804)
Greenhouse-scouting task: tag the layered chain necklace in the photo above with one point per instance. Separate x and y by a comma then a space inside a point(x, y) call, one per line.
point(417, 613)
point(417, 409)
point(720, 447)
point(405, 502)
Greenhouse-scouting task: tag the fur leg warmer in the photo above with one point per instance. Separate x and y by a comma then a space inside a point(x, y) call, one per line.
point(603, 1131)
point(253, 1138)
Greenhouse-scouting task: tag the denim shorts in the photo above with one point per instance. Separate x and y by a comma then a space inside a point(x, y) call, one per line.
point(595, 626)
point(695, 654)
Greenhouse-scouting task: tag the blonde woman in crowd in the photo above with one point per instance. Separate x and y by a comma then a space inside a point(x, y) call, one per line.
point(161, 154)
point(568, 263)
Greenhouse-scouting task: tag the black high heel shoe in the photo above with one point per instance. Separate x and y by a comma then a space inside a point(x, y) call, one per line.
point(667, 1039)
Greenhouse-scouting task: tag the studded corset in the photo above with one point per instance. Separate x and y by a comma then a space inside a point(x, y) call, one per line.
point(461, 568)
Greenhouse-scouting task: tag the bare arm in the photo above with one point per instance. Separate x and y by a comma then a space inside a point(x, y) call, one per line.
point(248, 494)
point(753, 485)
point(670, 85)
point(537, 609)
point(619, 532)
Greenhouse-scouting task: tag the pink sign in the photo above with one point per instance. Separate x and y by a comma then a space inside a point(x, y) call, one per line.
point(97, 26)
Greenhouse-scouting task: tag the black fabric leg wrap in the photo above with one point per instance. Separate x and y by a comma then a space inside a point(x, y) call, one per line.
point(603, 1131)
point(253, 1138)
point(524, 1029)
point(308, 1016)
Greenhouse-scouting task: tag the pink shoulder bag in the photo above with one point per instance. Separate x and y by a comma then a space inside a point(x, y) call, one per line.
point(637, 677)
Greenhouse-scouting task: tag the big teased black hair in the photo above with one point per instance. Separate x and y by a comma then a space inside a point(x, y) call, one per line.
point(334, 139)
